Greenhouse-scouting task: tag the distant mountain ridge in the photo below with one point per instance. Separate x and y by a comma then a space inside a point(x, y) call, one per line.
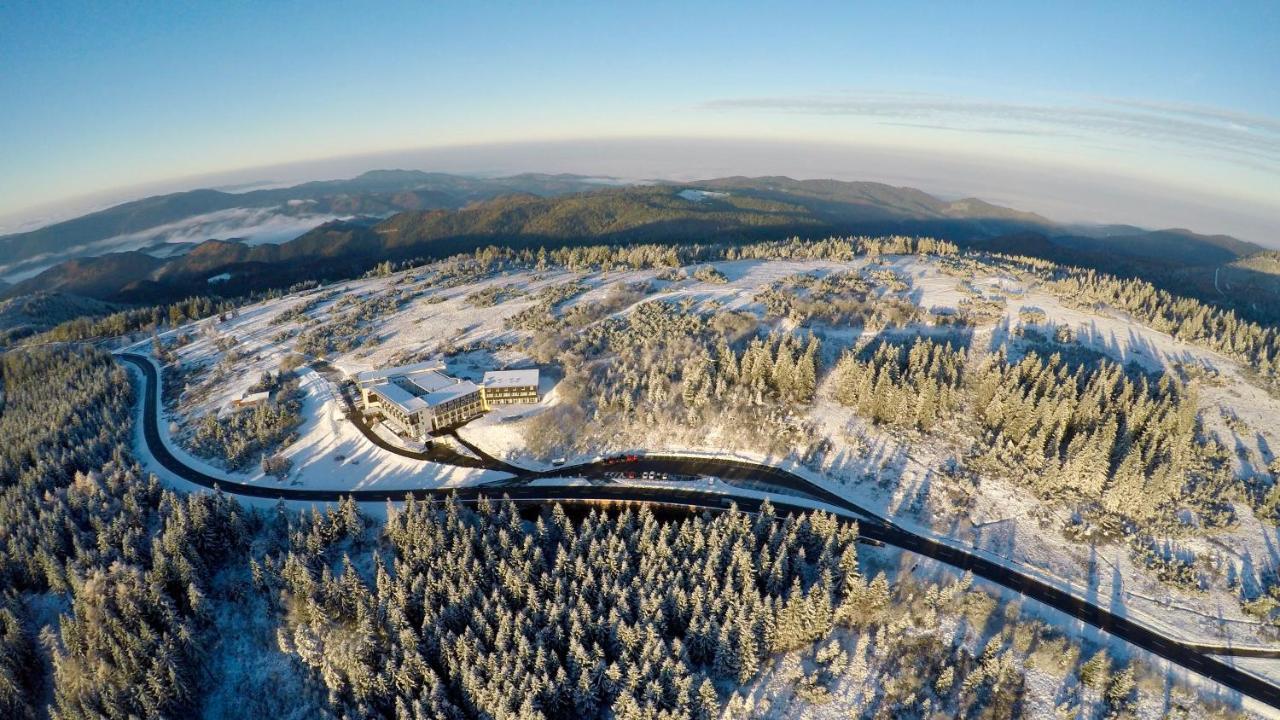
point(379, 192)
point(733, 209)
point(641, 213)
point(868, 199)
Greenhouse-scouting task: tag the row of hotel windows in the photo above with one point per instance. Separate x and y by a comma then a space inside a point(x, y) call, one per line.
point(462, 408)
point(458, 409)
point(503, 396)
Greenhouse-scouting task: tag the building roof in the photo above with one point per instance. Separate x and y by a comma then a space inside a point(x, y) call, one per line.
point(398, 396)
point(425, 382)
point(455, 390)
point(511, 378)
point(374, 376)
point(250, 398)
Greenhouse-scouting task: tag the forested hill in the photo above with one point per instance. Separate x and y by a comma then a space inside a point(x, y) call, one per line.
point(722, 210)
point(123, 599)
point(379, 192)
point(658, 213)
point(611, 215)
point(871, 201)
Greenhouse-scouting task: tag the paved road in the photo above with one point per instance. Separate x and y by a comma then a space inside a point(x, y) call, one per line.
point(871, 527)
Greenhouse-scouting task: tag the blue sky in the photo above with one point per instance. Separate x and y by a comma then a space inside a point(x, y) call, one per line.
point(101, 98)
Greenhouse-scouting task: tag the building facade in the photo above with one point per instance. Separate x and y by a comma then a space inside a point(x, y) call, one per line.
point(403, 411)
point(509, 387)
point(464, 403)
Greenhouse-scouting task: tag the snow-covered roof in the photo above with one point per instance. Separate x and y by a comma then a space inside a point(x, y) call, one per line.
point(511, 378)
point(251, 398)
point(397, 395)
point(443, 395)
point(426, 382)
point(373, 376)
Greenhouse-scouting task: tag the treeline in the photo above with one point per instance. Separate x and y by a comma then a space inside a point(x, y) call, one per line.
point(149, 319)
point(134, 320)
point(1184, 318)
point(1094, 433)
point(646, 256)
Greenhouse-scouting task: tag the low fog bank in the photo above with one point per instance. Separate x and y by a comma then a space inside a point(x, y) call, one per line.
point(254, 226)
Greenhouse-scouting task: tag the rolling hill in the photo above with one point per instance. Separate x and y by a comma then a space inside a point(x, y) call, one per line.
point(726, 209)
point(30, 314)
point(376, 193)
point(643, 213)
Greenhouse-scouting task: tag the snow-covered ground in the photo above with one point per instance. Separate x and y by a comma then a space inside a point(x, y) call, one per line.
point(332, 454)
point(1163, 687)
point(894, 474)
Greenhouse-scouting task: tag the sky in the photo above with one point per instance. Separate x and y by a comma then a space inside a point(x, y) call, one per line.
point(1149, 112)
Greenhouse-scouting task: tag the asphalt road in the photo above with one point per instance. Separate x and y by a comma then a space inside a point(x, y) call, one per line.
point(871, 527)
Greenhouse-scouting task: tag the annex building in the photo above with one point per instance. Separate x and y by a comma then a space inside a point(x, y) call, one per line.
point(508, 387)
point(419, 400)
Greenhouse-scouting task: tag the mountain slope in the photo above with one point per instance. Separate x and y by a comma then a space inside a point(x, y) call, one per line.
point(378, 192)
point(40, 311)
point(98, 277)
point(611, 215)
point(644, 213)
point(879, 208)
point(725, 209)
point(1173, 247)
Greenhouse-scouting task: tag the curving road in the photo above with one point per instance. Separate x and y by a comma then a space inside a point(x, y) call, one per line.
point(1193, 657)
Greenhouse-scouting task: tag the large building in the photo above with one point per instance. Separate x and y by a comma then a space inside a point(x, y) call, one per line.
point(418, 400)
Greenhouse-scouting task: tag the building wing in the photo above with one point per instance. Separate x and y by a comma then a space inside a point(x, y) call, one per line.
point(393, 394)
point(497, 379)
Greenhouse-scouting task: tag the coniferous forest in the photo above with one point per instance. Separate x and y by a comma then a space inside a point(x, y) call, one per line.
point(123, 599)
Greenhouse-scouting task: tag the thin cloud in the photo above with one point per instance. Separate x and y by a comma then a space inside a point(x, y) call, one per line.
point(1245, 140)
point(1239, 120)
point(983, 130)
